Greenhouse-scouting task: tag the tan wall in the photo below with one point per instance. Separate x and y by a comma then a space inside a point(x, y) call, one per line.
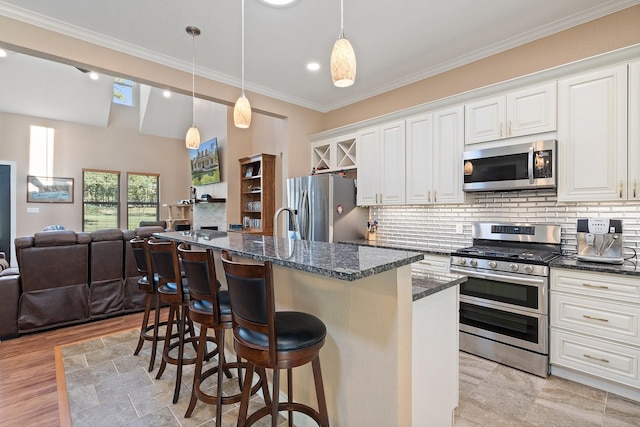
point(289, 136)
point(115, 148)
point(606, 34)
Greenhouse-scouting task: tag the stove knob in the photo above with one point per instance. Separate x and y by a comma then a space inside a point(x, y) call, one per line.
point(514, 266)
point(528, 269)
point(462, 261)
point(493, 264)
point(474, 263)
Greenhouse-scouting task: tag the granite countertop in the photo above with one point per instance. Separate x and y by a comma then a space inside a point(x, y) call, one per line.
point(428, 284)
point(424, 283)
point(384, 243)
point(340, 261)
point(628, 267)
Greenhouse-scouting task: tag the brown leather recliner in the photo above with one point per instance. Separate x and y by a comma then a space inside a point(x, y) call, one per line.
point(54, 274)
point(106, 284)
point(9, 297)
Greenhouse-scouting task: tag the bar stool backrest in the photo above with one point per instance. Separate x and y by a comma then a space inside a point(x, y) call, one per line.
point(140, 254)
point(252, 303)
point(164, 263)
point(199, 268)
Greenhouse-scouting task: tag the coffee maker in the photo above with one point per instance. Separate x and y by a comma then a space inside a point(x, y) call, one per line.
point(600, 240)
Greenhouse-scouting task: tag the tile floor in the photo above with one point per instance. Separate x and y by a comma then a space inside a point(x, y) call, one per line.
point(109, 386)
point(494, 395)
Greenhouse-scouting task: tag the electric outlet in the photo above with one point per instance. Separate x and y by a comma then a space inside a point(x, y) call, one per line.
point(459, 228)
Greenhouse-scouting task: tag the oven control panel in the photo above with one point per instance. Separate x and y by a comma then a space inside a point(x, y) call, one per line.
point(467, 265)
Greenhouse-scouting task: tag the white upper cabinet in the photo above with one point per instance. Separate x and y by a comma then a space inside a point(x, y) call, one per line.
point(592, 136)
point(633, 145)
point(381, 164)
point(434, 157)
point(368, 174)
point(419, 149)
point(522, 112)
point(448, 145)
point(335, 154)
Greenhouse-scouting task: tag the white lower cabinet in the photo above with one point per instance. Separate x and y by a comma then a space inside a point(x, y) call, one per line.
point(595, 327)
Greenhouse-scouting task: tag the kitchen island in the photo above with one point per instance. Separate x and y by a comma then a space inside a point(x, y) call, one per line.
point(387, 360)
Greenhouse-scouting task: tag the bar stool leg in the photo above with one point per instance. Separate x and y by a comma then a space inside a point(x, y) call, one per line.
point(181, 338)
point(145, 323)
point(167, 340)
point(322, 402)
point(202, 345)
point(156, 328)
point(246, 391)
point(275, 403)
point(290, 394)
point(220, 340)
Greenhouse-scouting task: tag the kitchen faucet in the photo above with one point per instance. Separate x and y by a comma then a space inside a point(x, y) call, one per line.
point(293, 218)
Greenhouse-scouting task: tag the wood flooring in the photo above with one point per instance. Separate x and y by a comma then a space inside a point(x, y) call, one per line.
point(28, 391)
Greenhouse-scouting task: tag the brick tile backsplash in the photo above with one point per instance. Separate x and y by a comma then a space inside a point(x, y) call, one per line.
point(434, 226)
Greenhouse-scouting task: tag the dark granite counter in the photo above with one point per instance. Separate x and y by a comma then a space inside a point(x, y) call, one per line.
point(428, 284)
point(335, 260)
point(424, 284)
point(383, 243)
point(628, 267)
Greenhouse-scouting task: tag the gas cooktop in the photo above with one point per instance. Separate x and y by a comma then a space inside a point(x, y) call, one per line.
point(503, 253)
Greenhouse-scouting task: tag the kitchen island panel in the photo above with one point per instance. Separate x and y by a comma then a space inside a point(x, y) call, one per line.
point(366, 359)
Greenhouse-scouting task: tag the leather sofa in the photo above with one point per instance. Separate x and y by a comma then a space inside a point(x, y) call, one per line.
point(66, 277)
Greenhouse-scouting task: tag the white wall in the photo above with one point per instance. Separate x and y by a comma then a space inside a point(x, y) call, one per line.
point(434, 227)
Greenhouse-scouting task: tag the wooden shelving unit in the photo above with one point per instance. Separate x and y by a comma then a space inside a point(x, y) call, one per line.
point(183, 215)
point(257, 193)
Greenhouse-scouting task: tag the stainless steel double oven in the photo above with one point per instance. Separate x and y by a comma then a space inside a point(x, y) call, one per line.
point(504, 304)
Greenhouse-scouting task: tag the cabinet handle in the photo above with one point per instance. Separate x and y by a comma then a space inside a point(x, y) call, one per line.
point(500, 129)
point(509, 130)
point(435, 196)
point(621, 189)
point(595, 318)
point(599, 359)
point(429, 195)
point(589, 285)
point(634, 188)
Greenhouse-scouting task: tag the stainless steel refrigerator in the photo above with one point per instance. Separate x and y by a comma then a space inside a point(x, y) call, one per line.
point(325, 207)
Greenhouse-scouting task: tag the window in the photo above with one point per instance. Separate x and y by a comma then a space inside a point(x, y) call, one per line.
point(142, 198)
point(41, 151)
point(123, 91)
point(100, 199)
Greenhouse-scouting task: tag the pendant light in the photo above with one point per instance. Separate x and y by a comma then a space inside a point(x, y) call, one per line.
point(343, 58)
point(193, 135)
point(242, 109)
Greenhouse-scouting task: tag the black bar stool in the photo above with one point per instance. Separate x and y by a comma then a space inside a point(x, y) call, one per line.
point(209, 306)
point(272, 340)
point(148, 332)
point(174, 290)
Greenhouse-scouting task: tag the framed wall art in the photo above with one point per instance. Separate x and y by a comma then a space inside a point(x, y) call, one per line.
point(49, 190)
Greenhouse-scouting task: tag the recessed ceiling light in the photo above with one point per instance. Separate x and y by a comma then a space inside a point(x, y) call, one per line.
point(3, 53)
point(94, 75)
point(166, 93)
point(313, 66)
point(278, 3)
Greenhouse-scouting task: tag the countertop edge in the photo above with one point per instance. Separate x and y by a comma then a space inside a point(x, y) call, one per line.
point(215, 240)
point(627, 268)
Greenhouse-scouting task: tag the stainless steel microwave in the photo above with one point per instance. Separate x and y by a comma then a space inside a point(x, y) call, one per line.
point(512, 167)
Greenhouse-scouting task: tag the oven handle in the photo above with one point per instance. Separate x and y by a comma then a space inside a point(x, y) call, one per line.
point(500, 277)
